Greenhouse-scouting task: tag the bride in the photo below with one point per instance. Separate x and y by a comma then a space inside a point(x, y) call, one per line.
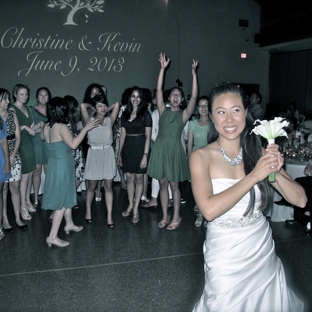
point(231, 189)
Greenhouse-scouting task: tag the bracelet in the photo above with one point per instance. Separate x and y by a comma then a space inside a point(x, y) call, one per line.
point(145, 154)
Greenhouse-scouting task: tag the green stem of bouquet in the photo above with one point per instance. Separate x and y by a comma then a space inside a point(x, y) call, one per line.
point(272, 177)
point(272, 174)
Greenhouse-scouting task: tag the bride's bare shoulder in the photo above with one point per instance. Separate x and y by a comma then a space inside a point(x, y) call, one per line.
point(205, 154)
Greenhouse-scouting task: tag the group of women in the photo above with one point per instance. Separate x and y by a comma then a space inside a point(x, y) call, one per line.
point(228, 175)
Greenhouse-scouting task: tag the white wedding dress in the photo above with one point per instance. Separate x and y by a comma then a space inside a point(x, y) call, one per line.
point(242, 271)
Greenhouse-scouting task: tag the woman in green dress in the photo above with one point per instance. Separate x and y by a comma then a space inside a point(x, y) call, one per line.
point(27, 150)
point(43, 95)
point(60, 187)
point(168, 162)
point(197, 138)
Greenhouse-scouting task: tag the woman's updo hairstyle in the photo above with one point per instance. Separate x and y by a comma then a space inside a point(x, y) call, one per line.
point(57, 111)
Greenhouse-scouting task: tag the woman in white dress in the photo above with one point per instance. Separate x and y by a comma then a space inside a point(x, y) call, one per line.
point(231, 189)
point(100, 162)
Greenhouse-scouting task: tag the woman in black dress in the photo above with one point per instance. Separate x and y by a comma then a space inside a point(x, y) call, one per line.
point(136, 126)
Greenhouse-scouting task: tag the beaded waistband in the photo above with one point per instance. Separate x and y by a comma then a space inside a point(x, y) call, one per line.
point(100, 146)
point(237, 222)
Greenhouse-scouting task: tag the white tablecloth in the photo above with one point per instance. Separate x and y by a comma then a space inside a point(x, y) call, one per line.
point(281, 213)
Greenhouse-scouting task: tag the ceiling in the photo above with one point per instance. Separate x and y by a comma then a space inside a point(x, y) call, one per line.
point(285, 26)
point(293, 46)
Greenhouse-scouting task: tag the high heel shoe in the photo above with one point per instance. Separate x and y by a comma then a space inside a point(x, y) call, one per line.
point(25, 214)
point(170, 203)
point(127, 212)
point(30, 207)
point(199, 220)
point(163, 223)
point(144, 200)
point(135, 218)
point(51, 242)
point(74, 228)
point(36, 203)
point(174, 225)
point(98, 199)
point(123, 185)
point(8, 230)
point(149, 204)
point(22, 227)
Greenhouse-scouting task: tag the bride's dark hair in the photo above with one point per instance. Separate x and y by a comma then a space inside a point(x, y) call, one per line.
point(250, 143)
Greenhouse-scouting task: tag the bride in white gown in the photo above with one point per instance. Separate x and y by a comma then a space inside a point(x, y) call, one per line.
point(242, 271)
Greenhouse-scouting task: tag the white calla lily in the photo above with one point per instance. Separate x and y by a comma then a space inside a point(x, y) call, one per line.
point(270, 130)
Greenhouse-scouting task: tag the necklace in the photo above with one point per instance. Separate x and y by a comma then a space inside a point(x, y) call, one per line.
point(232, 161)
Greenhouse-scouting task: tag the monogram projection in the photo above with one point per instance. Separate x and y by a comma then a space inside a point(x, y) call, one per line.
point(76, 5)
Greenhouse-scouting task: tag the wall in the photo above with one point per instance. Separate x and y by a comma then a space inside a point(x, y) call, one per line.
point(118, 45)
point(291, 81)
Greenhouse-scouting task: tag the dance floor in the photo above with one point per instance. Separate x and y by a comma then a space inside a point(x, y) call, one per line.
point(129, 268)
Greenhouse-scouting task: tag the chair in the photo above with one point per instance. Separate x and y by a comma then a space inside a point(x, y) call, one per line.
point(308, 124)
point(301, 118)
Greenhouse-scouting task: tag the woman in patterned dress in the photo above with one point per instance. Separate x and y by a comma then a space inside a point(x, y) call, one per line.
point(5, 168)
point(117, 132)
point(14, 140)
point(72, 126)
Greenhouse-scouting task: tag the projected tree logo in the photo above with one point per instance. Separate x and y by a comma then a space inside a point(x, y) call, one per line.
point(76, 5)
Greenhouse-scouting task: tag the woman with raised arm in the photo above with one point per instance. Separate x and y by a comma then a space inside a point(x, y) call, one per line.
point(231, 189)
point(59, 188)
point(134, 145)
point(168, 162)
point(100, 162)
point(92, 90)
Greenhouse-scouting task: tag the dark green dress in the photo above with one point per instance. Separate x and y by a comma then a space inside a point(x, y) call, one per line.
point(59, 185)
point(168, 159)
point(27, 148)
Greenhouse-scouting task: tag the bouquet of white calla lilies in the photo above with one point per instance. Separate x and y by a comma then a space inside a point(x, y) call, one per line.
point(270, 130)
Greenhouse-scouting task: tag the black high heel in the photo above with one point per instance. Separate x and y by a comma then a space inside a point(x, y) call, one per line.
point(22, 227)
point(9, 230)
